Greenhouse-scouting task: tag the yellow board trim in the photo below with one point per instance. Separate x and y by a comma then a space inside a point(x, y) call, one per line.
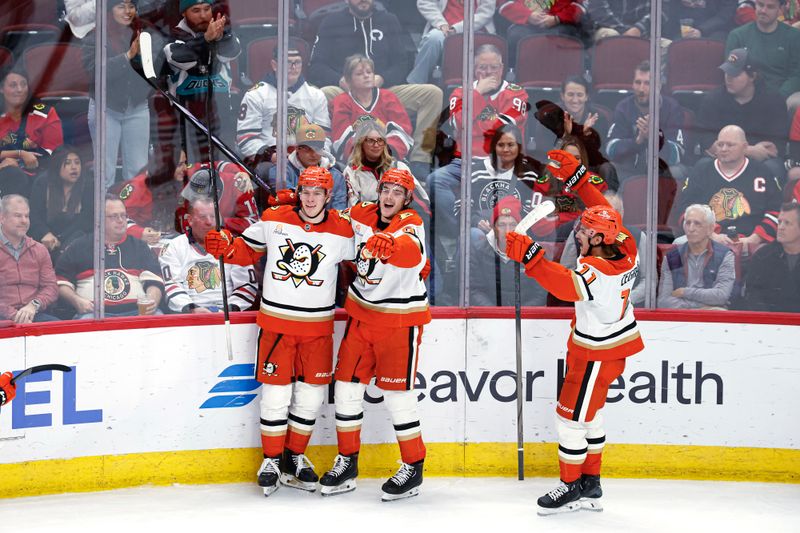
point(89, 474)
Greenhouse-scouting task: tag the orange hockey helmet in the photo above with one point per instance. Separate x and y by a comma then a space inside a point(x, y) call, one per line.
point(315, 177)
point(398, 176)
point(602, 219)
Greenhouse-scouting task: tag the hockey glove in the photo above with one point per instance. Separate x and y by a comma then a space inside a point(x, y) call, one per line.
point(219, 242)
point(426, 270)
point(283, 197)
point(523, 249)
point(7, 390)
point(380, 245)
point(565, 167)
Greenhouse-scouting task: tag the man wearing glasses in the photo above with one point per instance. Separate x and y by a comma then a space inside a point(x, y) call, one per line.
point(131, 270)
point(257, 128)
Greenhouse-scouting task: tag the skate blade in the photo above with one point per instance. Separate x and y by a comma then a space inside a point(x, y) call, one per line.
point(591, 504)
point(570, 507)
point(386, 497)
point(269, 490)
point(293, 482)
point(346, 486)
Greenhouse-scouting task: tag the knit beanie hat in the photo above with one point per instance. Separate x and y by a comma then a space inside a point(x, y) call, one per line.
point(186, 4)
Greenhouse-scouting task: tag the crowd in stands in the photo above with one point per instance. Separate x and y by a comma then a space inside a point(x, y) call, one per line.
point(374, 85)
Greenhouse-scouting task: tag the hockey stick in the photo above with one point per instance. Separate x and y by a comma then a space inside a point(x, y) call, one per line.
point(215, 192)
point(146, 51)
point(39, 368)
point(535, 215)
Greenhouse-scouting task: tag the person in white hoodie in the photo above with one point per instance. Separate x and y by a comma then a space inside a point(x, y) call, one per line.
point(311, 152)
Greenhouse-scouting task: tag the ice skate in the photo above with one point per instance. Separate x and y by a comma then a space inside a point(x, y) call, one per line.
point(591, 492)
point(341, 477)
point(298, 472)
point(405, 483)
point(268, 474)
point(565, 498)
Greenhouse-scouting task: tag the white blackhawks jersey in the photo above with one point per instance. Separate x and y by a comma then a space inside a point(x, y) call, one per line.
point(382, 293)
point(257, 126)
point(301, 270)
point(192, 276)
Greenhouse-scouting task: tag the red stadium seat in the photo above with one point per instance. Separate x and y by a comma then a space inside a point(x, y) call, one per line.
point(29, 22)
point(634, 201)
point(693, 65)
point(56, 70)
point(548, 60)
point(6, 57)
point(614, 60)
point(256, 13)
point(453, 55)
point(259, 54)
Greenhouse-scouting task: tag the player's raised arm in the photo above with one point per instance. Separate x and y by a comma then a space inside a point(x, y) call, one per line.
point(566, 168)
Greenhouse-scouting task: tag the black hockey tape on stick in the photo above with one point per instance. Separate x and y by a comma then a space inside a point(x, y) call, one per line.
point(40, 368)
point(146, 51)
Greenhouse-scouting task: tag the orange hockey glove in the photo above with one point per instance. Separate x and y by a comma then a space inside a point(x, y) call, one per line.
point(566, 167)
point(381, 245)
point(7, 390)
point(283, 197)
point(523, 249)
point(219, 242)
point(426, 270)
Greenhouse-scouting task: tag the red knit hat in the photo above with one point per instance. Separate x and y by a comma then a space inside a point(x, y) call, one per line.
point(507, 206)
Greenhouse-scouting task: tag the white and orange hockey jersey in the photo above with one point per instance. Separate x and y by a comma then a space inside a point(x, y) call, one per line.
point(389, 292)
point(300, 275)
point(604, 327)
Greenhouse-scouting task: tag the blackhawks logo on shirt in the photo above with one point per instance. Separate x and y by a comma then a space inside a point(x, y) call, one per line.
point(299, 262)
point(729, 204)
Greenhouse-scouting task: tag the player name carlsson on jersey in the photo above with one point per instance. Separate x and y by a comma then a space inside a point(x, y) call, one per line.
point(383, 293)
point(605, 327)
point(301, 269)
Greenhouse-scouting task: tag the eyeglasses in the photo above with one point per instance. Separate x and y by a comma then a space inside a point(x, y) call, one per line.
point(375, 142)
point(296, 63)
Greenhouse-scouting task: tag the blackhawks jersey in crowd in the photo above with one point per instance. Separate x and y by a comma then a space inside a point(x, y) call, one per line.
point(162, 207)
point(130, 269)
point(301, 269)
point(384, 293)
point(745, 201)
point(258, 113)
point(385, 108)
point(604, 326)
point(39, 130)
point(191, 276)
point(507, 105)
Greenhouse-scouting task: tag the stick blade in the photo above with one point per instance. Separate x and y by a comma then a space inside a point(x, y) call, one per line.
point(146, 51)
point(536, 214)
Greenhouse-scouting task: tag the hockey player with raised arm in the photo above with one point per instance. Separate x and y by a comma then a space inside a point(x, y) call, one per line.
point(604, 331)
point(304, 245)
point(388, 306)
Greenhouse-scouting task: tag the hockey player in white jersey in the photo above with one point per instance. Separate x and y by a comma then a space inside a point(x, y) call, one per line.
point(191, 274)
point(388, 307)
point(257, 127)
point(604, 331)
point(304, 245)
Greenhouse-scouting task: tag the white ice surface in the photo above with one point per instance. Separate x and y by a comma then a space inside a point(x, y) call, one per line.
point(489, 505)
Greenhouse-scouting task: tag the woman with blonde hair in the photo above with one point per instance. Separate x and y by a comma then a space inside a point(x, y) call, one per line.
point(364, 100)
point(369, 160)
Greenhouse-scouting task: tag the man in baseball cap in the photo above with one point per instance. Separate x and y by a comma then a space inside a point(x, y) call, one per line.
point(738, 61)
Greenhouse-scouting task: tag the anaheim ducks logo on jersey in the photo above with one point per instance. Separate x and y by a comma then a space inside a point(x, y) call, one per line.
point(365, 266)
point(729, 204)
point(204, 275)
point(116, 285)
point(299, 262)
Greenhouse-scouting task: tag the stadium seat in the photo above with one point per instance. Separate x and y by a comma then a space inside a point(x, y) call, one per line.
point(613, 62)
point(259, 54)
point(453, 55)
point(634, 200)
point(6, 57)
point(548, 60)
point(29, 22)
point(693, 69)
point(56, 70)
point(255, 18)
